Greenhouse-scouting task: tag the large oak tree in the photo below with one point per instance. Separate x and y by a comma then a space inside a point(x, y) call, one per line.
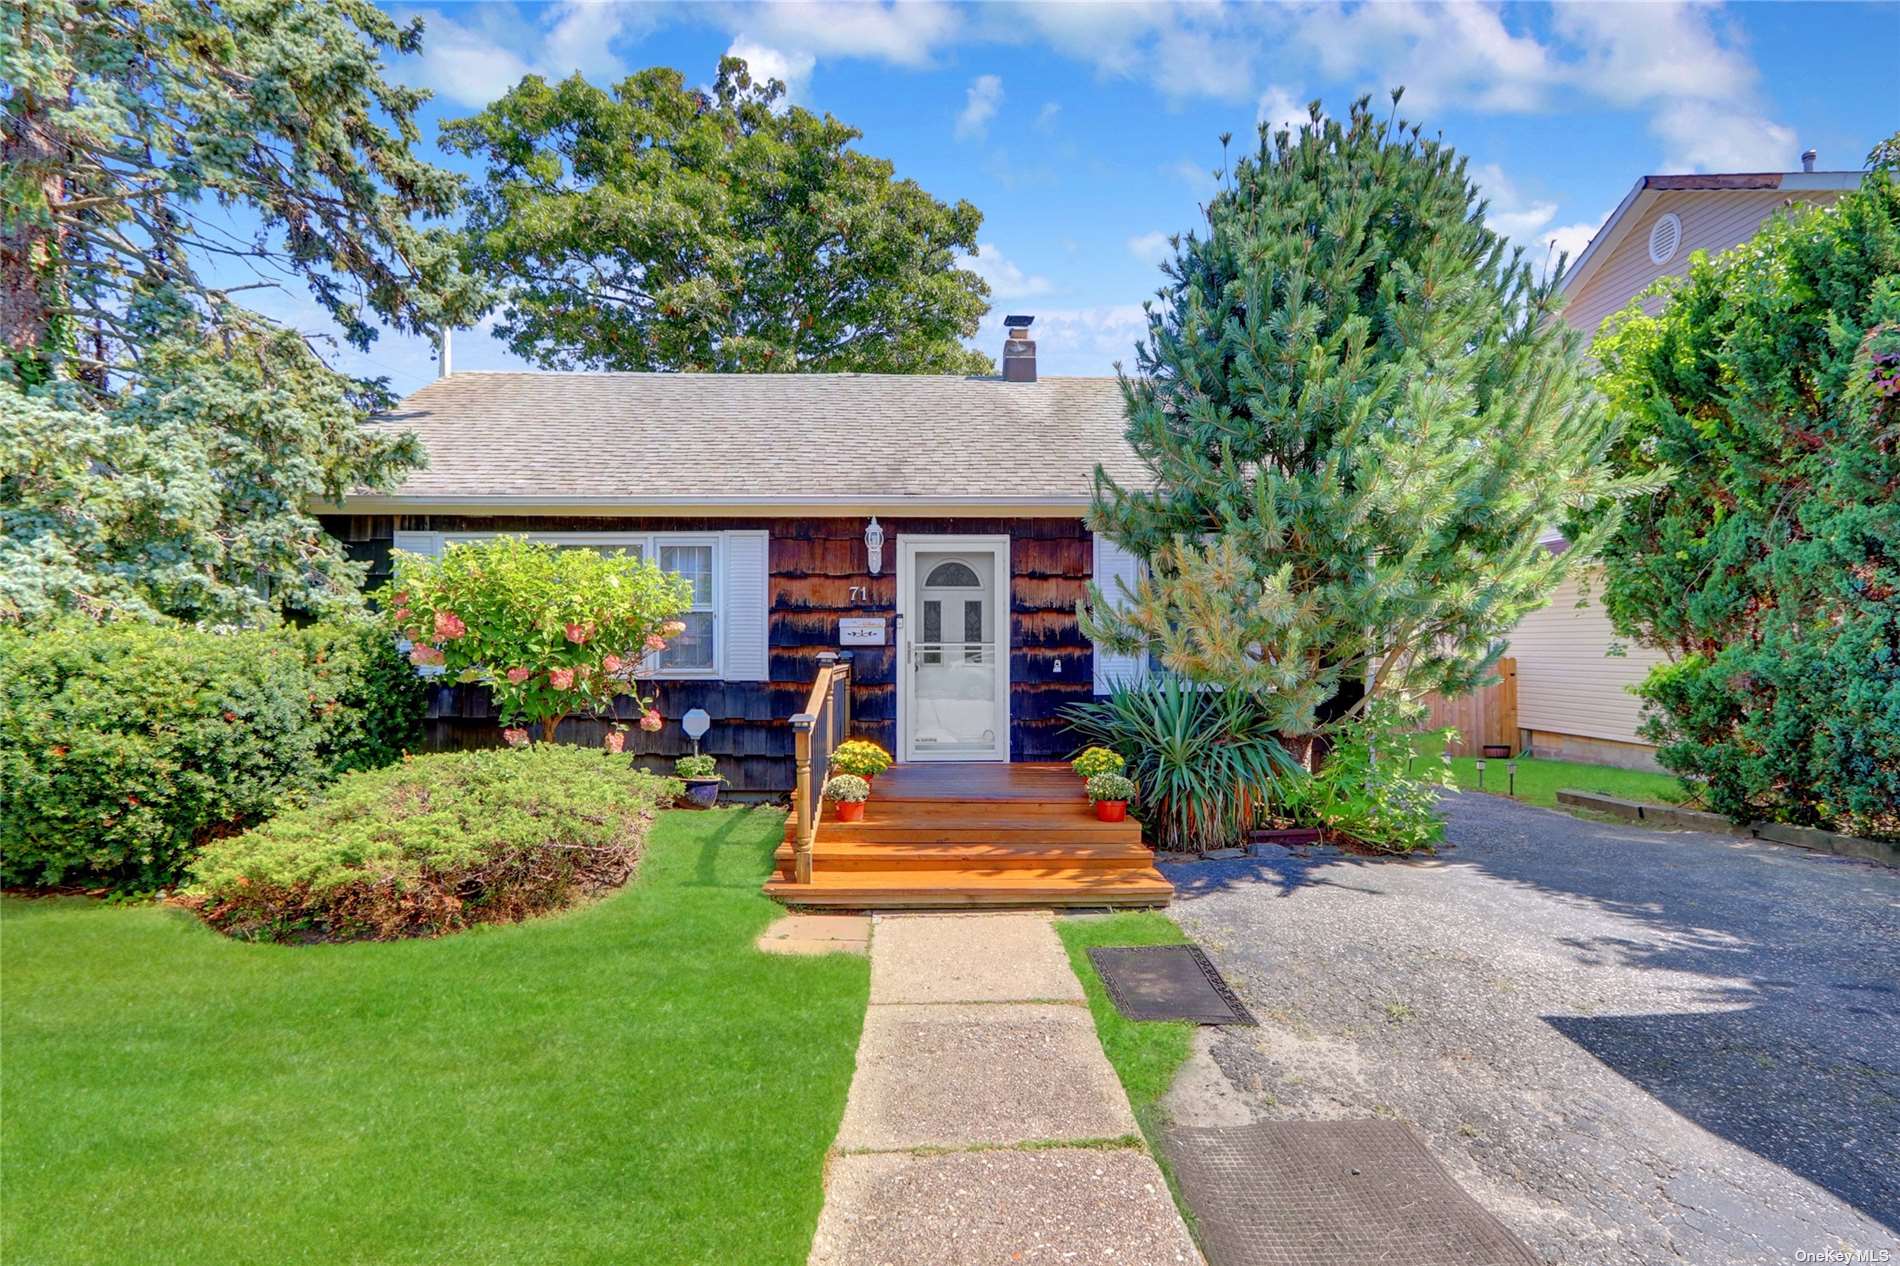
point(655, 226)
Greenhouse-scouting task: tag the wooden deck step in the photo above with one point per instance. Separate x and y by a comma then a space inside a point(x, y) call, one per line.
point(831, 854)
point(901, 889)
point(952, 828)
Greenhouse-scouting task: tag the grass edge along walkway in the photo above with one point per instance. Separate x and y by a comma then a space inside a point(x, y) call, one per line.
point(1146, 1055)
point(631, 1081)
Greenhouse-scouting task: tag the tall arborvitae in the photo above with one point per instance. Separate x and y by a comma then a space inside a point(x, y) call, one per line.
point(1362, 420)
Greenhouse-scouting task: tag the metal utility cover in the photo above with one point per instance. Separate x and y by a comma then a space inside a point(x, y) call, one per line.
point(1341, 1193)
point(1167, 982)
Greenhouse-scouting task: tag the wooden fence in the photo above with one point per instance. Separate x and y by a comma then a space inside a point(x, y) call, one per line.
point(1484, 717)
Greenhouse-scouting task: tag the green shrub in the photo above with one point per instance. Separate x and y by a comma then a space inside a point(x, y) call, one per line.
point(1097, 760)
point(1767, 391)
point(1366, 789)
point(125, 746)
point(370, 702)
point(434, 844)
point(1205, 763)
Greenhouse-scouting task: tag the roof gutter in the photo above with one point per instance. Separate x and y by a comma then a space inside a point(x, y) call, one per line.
point(717, 507)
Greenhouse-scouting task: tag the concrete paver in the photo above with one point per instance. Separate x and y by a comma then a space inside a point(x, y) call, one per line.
point(971, 958)
point(818, 934)
point(958, 1076)
point(1076, 1206)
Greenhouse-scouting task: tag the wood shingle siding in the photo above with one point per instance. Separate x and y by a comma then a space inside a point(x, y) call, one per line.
point(814, 564)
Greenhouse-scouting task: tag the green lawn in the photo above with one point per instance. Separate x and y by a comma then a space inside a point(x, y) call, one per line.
point(1539, 780)
point(631, 1082)
point(1146, 1053)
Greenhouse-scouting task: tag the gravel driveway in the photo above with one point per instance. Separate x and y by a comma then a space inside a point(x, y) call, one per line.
point(1633, 1046)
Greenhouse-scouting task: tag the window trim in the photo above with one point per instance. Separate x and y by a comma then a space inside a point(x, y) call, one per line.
point(649, 544)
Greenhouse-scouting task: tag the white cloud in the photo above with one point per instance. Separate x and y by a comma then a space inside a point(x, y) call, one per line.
point(475, 57)
point(1507, 212)
point(1455, 55)
point(464, 64)
point(1007, 280)
point(1047, 116)
point(1150, 248)
point(980, 104)
point(1075, 340)
point(1527, 222)
point(1278, 108)
point(791, 69)
point(904, 34)
point(1694, 77)
point(1198, 177)
point(1569, 240)
point(1717, 136)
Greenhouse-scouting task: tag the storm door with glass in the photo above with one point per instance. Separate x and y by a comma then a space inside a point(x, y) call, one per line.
point(958, 657)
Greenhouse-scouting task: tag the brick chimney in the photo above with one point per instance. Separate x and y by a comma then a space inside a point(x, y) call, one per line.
point(1019, 350)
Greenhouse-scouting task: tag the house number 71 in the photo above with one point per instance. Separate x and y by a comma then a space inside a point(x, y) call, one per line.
point(860, 593)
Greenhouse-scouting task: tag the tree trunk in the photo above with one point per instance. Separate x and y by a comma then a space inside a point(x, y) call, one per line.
point(29, 244)
point(1310, 749)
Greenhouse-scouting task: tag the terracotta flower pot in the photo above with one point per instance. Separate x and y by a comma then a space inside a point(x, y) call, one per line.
point(1111, 810)
point(848, 810)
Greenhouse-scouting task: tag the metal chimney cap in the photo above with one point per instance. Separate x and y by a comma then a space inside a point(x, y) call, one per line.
point(1807, 159)
point(1018, 322)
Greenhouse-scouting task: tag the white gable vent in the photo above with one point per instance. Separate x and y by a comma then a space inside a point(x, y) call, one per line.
point(1664, 237)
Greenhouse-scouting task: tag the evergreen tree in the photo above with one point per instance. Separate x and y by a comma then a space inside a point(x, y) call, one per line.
point(1360, 417)
point(160, 443)
point(661, 227)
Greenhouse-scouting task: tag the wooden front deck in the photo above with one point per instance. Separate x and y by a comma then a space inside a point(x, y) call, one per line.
point(976, 835)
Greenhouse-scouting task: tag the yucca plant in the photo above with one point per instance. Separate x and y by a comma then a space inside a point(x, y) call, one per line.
point(1205, 763)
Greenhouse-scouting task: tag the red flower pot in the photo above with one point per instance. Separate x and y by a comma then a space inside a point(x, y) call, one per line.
point(848, 810)
point(1111, 810)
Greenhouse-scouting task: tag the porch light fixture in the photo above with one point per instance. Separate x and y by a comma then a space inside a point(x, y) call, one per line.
point(874, 547)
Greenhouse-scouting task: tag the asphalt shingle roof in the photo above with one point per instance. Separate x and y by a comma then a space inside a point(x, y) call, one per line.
point(765, 436)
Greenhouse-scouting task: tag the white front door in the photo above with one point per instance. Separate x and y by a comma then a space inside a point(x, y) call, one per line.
point(953, 666)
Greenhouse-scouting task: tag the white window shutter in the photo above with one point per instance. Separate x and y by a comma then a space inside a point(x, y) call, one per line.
point(744, 607)
point(428, 544)
point(1112, 564)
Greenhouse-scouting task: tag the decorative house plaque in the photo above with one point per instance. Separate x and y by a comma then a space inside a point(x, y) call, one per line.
point(861, 632)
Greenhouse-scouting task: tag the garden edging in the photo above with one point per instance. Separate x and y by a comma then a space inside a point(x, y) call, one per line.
point(1676, 817)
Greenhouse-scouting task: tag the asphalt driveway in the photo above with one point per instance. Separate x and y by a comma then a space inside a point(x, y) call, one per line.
point(1632, 1046)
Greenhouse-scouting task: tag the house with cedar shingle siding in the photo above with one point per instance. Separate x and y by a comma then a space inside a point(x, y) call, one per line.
point(929, 525)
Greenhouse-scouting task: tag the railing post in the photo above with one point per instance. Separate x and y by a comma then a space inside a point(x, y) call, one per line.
point(849, 678)
point(827, 664)
point(802, 800)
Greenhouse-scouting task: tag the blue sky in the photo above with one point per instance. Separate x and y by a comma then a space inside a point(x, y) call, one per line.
point(1086, 132)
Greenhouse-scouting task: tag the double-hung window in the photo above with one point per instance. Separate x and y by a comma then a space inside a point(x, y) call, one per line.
point(699, 558)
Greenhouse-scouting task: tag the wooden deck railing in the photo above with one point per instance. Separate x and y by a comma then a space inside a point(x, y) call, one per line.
point(816, 732)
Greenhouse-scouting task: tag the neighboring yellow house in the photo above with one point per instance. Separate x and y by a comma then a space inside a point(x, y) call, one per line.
point(1572, 693)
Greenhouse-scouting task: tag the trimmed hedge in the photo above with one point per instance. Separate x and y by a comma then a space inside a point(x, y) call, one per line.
point(433, 845)
point(123, 747)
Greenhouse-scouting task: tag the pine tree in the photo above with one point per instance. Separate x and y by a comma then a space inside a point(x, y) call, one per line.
point(1361, 418)
point(159, 443)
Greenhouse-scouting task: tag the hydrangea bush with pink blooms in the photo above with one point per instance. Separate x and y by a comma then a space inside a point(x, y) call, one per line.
point(551, 632)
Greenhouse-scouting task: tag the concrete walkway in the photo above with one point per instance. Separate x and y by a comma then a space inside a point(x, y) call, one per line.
point(984, 1123)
